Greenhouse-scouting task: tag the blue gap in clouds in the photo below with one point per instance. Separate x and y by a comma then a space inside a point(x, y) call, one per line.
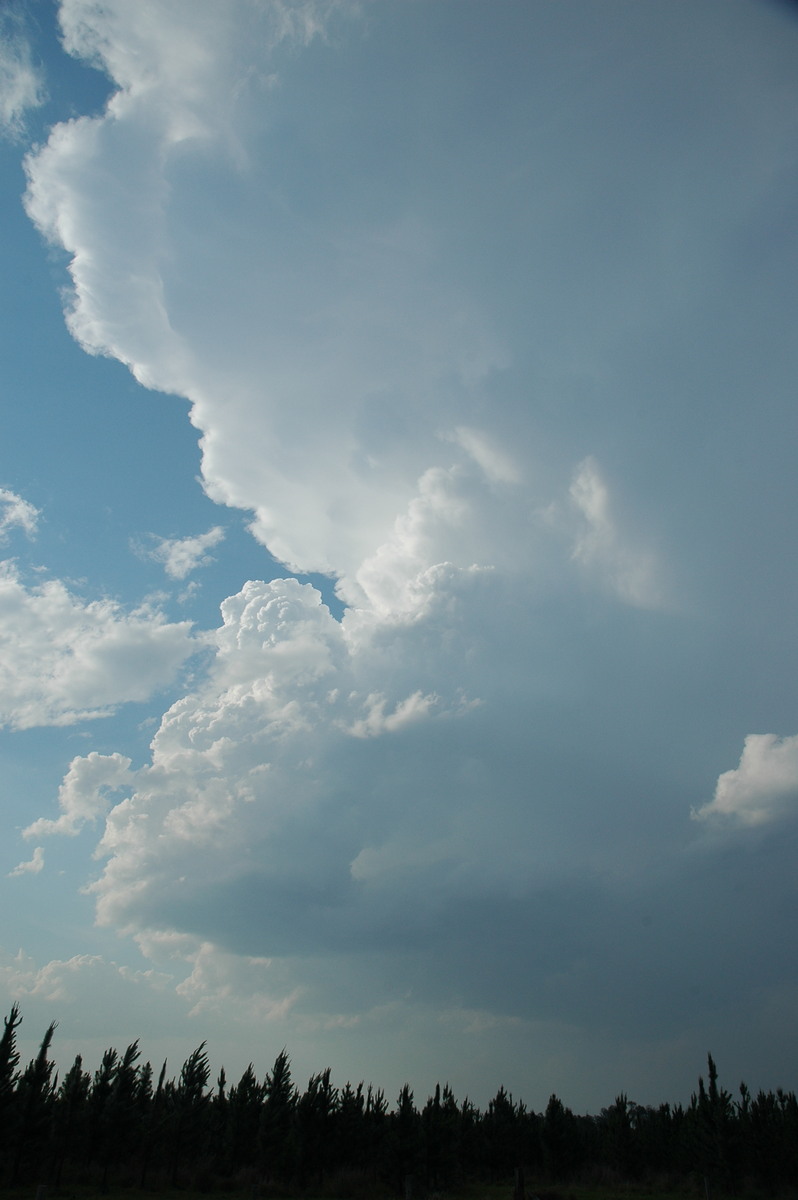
point(74, 89)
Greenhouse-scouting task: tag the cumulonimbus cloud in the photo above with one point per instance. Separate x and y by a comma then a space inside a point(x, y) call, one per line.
point(414, 391)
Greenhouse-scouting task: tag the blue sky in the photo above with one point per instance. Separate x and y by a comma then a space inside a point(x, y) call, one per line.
point(397, 506)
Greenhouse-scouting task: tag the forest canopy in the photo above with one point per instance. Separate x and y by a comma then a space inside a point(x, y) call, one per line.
point(124, 1125)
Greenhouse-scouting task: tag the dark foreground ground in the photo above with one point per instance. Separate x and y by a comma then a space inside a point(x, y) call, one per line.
point(362, 1189)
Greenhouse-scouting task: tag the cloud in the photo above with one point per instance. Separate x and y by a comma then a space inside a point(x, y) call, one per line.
point(377, 721)
point(238, 986)
point(65, 659)
point(21, 83)
point(258, 753)
point(181, 556)
point(497, 466)
point(496, 382)
point(629, 573)
point(74, 986)
point(16, 513)
point(84, 795)
point(288, 424)
point(293, 817)
point(96, 1001)
point(762, 789)
point(32, 867)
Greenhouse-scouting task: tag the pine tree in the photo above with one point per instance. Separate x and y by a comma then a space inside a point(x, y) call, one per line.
point(189, 1103)
point(440, 1123)
point(244, 1110)
point(9, 1061)
point(278, 1147)
point(99, 1098)
point(122, 1127)
point(71, 1119)
point(618, 1137)
point(711, 1114)
point(315, 1115)
point(560, 1138)
point(350, 1134)
point(376, 1128)
point(35, 1092)
point(218, 1143)
point(155, 1117)
point(406, 1145)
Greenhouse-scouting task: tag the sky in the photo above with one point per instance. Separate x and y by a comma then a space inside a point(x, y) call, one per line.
point(397, 514)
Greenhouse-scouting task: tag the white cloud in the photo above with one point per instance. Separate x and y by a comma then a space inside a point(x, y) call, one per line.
point(95, 1001)
point(85, 794)
point(342, 382)
point(181, 556)
point(63, 659)
point(16, 513)
point(32, 867)
point(21, 83)
point(762, 788)
point(377, 721)
point(62, 980)
point(237, 986)
point(262, 744)
point(293, 431)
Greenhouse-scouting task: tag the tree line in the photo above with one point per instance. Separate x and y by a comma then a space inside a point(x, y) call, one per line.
point(122, 1126)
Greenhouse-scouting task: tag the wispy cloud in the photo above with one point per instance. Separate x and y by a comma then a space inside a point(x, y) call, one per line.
point(32, 867)
point(21, 82)
point(181, 556)
point(629, 572)
point(16, 513)
point(377, 721)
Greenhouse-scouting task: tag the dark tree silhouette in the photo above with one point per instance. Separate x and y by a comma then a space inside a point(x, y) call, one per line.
point(405, 1145)
point(711, 1115)
point(35, 1092)
point(278, 1148)
point(71, 1120)
point(113, 1127)
point(316, 1112)
point(560, 1139)
point(155, 1115)
point(244, 1107)
point(9, 1061)
point(187, 1106)
point(440, 1124)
